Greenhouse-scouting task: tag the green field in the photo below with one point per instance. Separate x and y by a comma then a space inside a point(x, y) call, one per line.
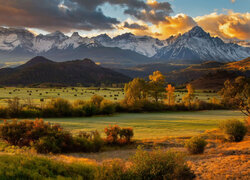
point(69, 93)
point(75, 93)
point(153, 125)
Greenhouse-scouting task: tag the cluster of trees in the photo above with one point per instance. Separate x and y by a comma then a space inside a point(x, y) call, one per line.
point(155, 90)
point(235, 94)
point(153, 94)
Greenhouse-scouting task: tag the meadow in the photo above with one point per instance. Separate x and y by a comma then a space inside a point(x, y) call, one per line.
point(152, 125)
point(43, 95)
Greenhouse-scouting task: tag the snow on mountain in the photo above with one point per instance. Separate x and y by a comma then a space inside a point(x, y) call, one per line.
point(194, 46)
point(197, 46)
point(144, 45)
point(12, 38)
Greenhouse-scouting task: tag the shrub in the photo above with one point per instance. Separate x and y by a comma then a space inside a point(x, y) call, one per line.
point(30, 167)
point(96, 100)
point(112, 133)
point(58, 108)
point(3, 112)
point(14, 107)
point(113, 170)
point(117, 135)
point(107, 107)
point(126, 133)
point(235, 130)
point(88, 142)
point(23, 133)
point(196, 145)
point(160, 164)
point(90, 109)
point(46, 138)
point(56, 142)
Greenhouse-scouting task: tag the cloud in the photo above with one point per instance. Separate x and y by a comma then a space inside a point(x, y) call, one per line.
point(53, 15)
point(135, 26)
point(153, 11)
point(68, 15)
point(227, 26)
point(171, 26)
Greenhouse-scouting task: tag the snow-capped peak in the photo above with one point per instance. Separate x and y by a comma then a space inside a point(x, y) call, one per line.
point(197, 31)
point(196, 46)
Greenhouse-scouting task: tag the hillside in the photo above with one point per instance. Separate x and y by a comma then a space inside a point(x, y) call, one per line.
point(40, 70)
point(208, 75)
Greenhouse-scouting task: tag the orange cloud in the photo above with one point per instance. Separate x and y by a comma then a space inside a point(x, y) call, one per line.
point(175, 25)
point(228, 26)
point(171, 26)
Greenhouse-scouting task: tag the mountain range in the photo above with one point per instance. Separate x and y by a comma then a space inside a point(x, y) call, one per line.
point(40, 70)
point(193, 47)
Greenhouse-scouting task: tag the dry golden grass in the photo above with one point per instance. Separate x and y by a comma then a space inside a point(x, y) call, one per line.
point(223, 161)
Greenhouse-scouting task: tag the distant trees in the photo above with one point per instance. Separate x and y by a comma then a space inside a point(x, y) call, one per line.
point(156, 85)
point(135, 90)
point(189, 97)
point(170, 94)
point(139, 89)
point(237, 93)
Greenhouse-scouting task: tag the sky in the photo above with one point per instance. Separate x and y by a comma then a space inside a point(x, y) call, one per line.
point(228, 19)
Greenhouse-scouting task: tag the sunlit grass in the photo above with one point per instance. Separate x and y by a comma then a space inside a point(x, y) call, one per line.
point(152, 125)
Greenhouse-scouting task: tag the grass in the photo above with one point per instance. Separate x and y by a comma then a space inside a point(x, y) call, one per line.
point(83, 93)
point(153, 125)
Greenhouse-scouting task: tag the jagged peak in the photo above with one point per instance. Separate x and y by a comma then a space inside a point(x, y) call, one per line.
point(125, 36)
point(4, 30)
point(75, 34)
point(56, 33)
point(197, 31)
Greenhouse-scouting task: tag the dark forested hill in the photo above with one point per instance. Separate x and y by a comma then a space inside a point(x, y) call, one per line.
point(40, 70)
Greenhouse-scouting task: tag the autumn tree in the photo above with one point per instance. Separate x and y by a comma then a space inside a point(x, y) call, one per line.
point(135, 90)
point(237, 93)
point(189, 97)
point(170, 94)
point(156, 85)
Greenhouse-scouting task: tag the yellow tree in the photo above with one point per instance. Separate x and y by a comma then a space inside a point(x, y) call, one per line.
point(135, 90)
point(237, 94)
point(189, 97)
point(156, 85)
point(170, 94)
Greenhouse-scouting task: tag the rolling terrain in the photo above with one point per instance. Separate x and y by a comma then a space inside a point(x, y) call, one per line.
point(40, 70)
point(208, 75)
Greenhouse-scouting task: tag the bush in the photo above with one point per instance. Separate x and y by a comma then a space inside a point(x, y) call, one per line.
point(107, 107)
point(127, 134)
point(160, 164)
point(58, 142)
point(113, 170)
point(88, 142)
point(112, 133)
point(117, 135)
point(196, 145)
point(58, 108)
point(3, 112)
point(90, 109)
point(96, 100)
point(30, 167)
point(235, 130)
point(47, 138)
